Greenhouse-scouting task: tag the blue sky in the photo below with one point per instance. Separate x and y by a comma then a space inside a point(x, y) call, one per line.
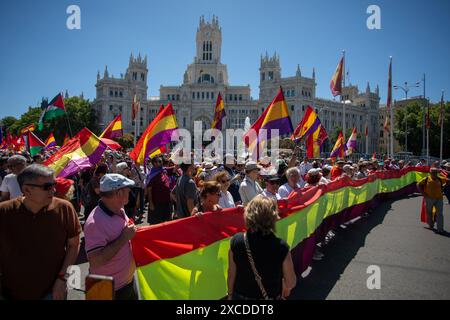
point(39, 56)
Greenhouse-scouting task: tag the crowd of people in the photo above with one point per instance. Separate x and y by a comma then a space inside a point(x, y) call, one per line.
point(42, 218)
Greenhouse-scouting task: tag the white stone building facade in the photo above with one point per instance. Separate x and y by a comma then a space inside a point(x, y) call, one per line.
point(195, 98)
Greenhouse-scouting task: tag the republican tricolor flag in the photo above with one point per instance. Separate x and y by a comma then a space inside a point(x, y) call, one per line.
point(309, 124)
point(158, 133)
point(50, 142)
point(219, 114)
point(351, 143)
point(339, 147)
point(83, 151)
point(114, 129)
point(336, 81)
point(276, 116)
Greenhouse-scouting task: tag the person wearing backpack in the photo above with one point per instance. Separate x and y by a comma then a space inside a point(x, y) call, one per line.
point(431, 189)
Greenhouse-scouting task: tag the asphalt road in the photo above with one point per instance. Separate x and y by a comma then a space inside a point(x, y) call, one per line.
point(414, 262)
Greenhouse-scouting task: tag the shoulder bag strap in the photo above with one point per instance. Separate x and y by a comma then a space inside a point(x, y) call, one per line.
point(255, 272)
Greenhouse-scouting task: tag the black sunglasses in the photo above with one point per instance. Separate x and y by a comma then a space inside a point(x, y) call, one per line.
point(46, 186)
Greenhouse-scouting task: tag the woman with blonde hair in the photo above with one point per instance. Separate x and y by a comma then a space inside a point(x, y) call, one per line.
point(259, 263)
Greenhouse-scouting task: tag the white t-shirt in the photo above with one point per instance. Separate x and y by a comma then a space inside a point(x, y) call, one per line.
point(11, 185)
point(226, 200)
point(304, 168)
point(285, 190)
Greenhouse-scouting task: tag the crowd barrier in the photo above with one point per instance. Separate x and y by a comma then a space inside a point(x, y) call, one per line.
point(187, 259)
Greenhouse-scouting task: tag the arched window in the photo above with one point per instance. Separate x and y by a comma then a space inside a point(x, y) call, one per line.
point(206, 78)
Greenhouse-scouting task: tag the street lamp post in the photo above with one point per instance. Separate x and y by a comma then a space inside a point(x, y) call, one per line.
point(406, 89)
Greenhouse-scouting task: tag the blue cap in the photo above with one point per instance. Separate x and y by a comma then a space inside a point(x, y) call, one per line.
point(114, 181)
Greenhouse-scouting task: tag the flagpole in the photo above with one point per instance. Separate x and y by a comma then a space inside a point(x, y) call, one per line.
point(442, 117)
point(428, 132)
point(132, 112)
point(344, 127)
point(367, 136)
point(391, 114)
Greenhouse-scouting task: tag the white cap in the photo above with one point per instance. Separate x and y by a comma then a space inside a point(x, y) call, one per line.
point(114, 181)
point(314, 171)
point(121, 166)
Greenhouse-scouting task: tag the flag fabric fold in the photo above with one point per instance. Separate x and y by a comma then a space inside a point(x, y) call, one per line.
point(219, 113)
point(339, 147)
point(275, 116)
point(53, 110)
point(309, 124)
point(351, 143)
point(50, 142)
point(83, 151)
point(336, 80)
point(35, 145)
point(157, 134)
point(114, 129)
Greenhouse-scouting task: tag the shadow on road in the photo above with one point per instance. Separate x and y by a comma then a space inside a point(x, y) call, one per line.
point(338, 254)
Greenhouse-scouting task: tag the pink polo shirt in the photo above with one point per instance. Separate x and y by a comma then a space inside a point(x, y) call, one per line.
point(101, 228)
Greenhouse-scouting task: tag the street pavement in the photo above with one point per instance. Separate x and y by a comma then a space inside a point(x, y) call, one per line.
point(414, 262)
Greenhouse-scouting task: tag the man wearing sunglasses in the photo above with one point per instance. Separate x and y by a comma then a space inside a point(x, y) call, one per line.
point(39, 239)
point(10, 188)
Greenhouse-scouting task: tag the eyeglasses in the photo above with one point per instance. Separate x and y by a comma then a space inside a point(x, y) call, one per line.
point(225, 181)
point(46, 186)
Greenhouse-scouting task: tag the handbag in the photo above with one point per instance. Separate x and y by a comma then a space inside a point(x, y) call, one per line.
point(255, 272)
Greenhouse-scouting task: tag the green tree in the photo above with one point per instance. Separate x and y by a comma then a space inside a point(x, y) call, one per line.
point(8, 121)
point(29, 117)
point(413, 113)
point(126, 141)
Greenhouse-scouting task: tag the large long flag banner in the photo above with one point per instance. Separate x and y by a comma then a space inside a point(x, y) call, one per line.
point(176, 261)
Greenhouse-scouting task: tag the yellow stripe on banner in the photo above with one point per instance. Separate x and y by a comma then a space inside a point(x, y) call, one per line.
point(202, 273)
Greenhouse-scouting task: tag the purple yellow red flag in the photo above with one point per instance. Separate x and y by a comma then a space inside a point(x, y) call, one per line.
point(50, 142)
point(351, 143)
point(158, 133)
point(114, 129)
point(309, 124)
point(339, 147)
point(219, 113)
point(336, 80)
point(276, 116)
point(83, 151)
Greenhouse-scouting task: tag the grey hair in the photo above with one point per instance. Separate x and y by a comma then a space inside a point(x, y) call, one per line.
point(31, 173)
point(17, 158)
point(292, 171)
